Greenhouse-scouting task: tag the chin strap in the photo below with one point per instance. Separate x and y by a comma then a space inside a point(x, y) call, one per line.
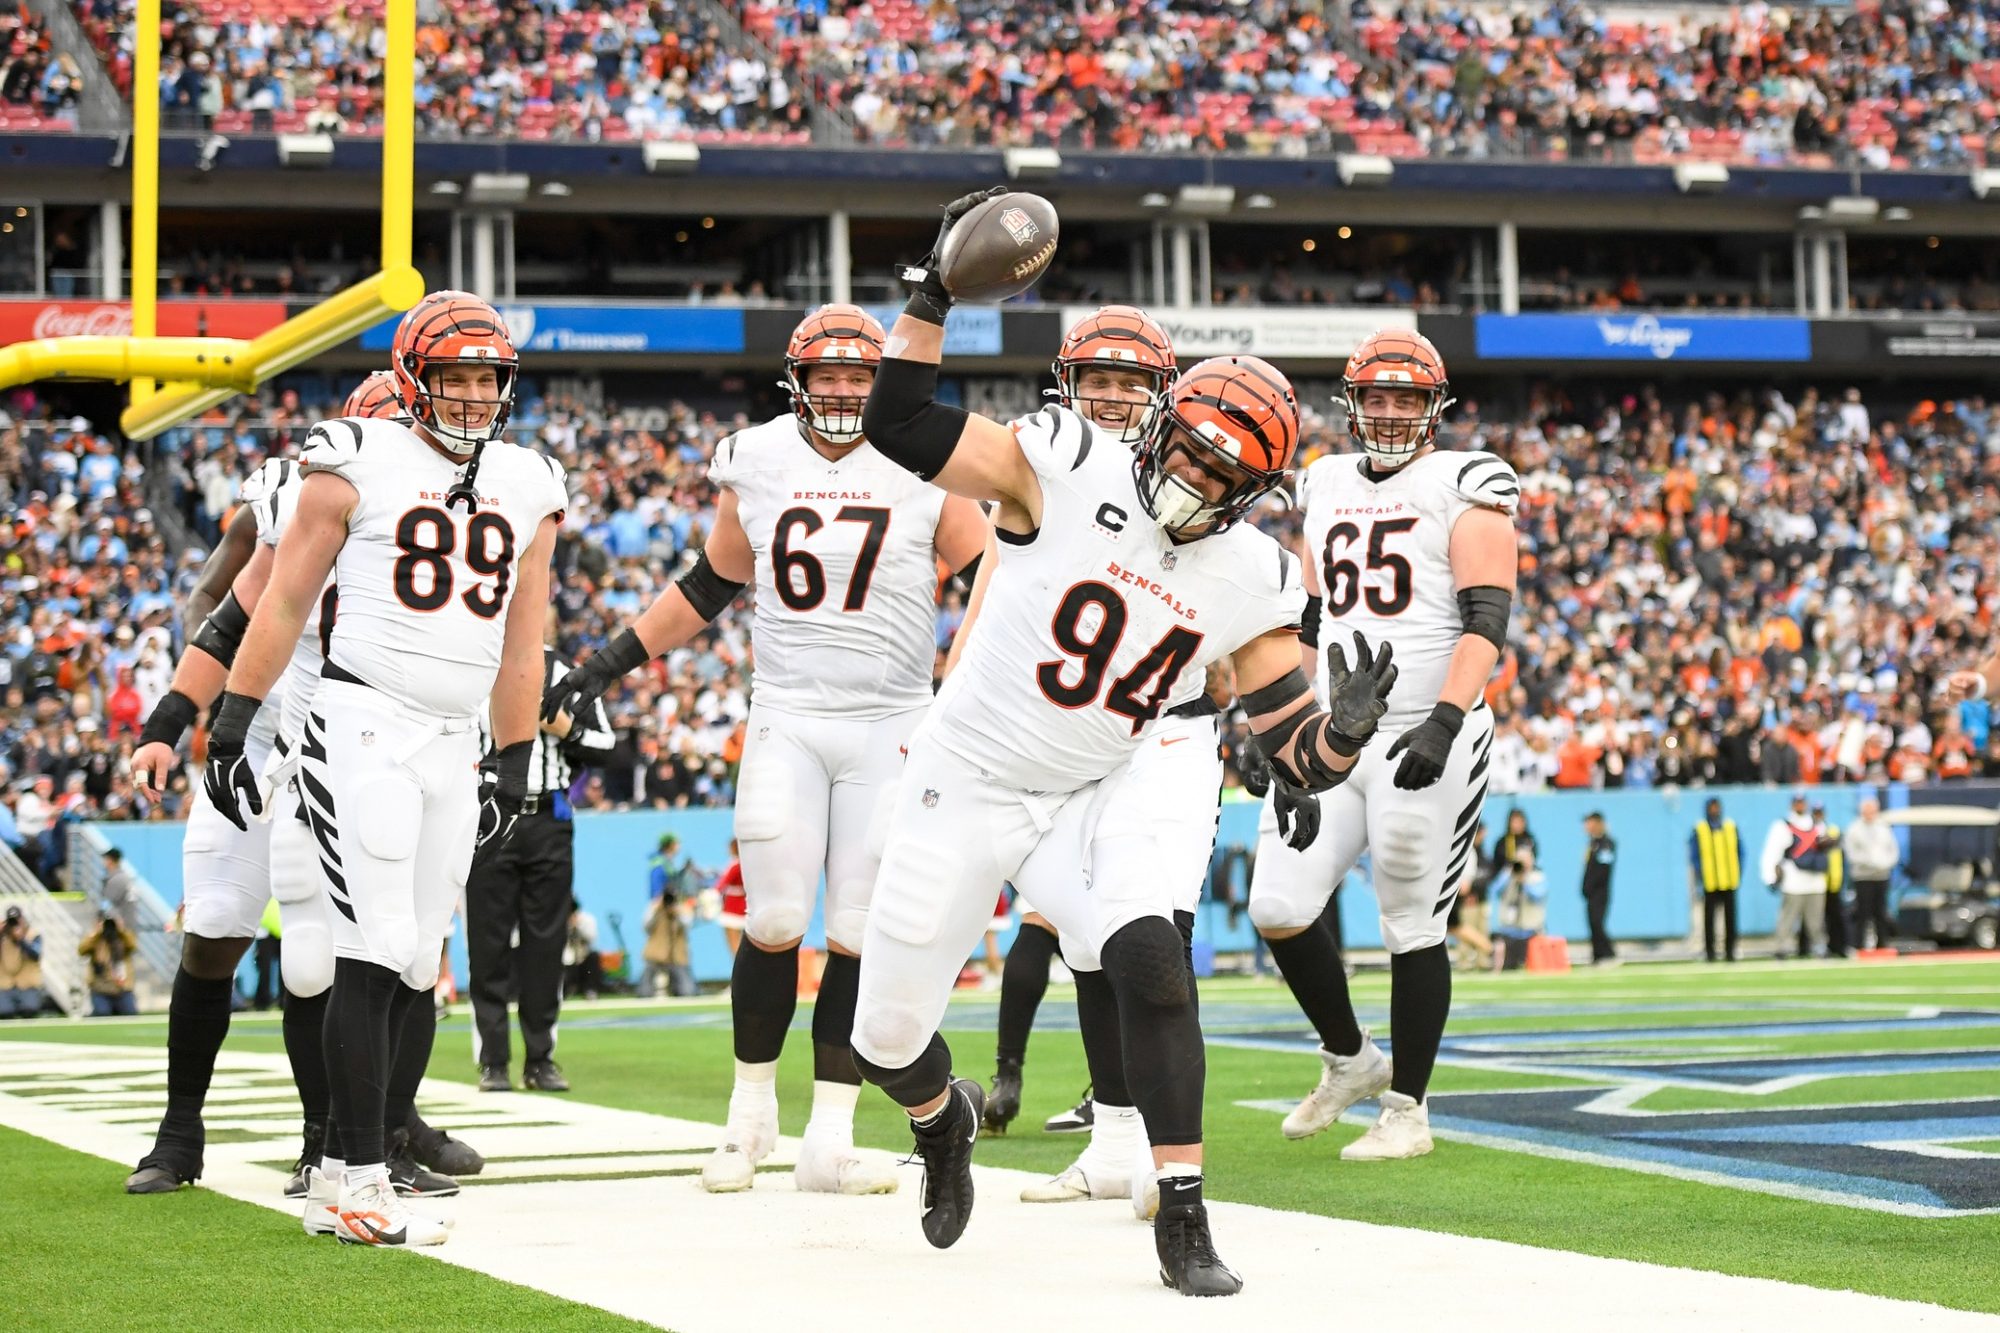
point(464, 489)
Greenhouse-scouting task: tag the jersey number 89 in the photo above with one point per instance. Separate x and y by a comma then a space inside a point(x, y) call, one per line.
point(427, 537)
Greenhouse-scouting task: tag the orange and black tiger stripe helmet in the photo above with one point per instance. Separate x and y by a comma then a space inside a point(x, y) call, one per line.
point(445, 328)
point(1396, 359)
point(838, 334)
point(374, 397)
point(1117, 337)
point(1236, 419)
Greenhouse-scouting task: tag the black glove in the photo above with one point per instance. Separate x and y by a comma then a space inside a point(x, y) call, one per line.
point(578, 690)
point(1298, 815)
point(1255, 769)
point(1356, 699)
point(1429, 745)
point(927, 290)
point(506, 795)
point(230, 781)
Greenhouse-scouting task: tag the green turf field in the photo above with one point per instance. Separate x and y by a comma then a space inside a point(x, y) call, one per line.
point(1836, 1125)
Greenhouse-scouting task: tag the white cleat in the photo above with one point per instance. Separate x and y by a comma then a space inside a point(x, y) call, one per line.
point(1082, 1179)
point(828, 1166)
point(732, 1167)
point(1347, 1079)
point(372, 1214)
point(322, 1202)
point(1402, 1130)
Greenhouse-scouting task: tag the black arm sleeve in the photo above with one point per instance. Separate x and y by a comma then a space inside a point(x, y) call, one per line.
point(1309, 623)
point(1484, 611)
point(970, 574)
point(904, 420)
point(707, 591)
point(222, 633)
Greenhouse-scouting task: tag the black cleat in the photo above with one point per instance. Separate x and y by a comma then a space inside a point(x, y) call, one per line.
point(175, 1161)
point(441, 1152)
point(493, 1078)
point(310, 1152)
point(946, 1149)
point(543, 1076)
point(1003, 1103)
point(1077, 1120)
point(412, 1181)
point(1188, 1262)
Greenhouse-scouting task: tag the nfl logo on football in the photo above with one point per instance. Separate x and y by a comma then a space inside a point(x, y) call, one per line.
point(1019, 225)
point(930, 798)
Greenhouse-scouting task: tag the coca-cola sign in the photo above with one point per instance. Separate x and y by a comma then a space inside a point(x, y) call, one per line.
point(24, 320)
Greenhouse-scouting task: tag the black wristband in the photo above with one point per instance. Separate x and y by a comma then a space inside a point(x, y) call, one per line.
point(171, 718)
point(230, 722)
point(623, 653)
point(1449, 716)
point(1340, 742)
point(928, 306)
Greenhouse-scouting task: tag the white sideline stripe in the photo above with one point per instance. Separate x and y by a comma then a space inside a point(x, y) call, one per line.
point(772, 1258)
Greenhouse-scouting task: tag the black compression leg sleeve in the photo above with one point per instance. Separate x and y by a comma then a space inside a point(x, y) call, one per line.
point(305, 1047)
point(1023, 982)
point(413, 1027)
point(1419, 1001)
point(922, 1081)
point(358, 1054)
point(833, 1019)
point(1103, 1047)
point(1184, 922)
point(1311, 967)
point(1166, 1064)
point(763, 996)
point(197, 1021)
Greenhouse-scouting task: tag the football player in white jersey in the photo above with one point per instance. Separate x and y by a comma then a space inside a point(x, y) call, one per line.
point(1413, 546)
point(1120, 575)
point(438, 610)
point(844, 547)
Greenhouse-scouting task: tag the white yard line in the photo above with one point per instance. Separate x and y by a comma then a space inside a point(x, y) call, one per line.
point(660, 1250)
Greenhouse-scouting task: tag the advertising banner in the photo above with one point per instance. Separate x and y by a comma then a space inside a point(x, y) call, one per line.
point(606, 329)
point(1322, 332)
point(1643, 337)
point(24, 321)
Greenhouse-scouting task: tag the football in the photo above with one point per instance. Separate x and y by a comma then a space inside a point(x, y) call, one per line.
point(1000, 249)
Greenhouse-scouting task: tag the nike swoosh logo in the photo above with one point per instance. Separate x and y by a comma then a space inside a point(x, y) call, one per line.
point(1172, 740)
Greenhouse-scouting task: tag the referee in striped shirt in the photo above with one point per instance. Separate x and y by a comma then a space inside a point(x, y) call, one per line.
point(522, 884)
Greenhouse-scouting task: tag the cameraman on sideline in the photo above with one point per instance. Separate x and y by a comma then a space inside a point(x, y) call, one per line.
point(20, 967)
point(109, 947)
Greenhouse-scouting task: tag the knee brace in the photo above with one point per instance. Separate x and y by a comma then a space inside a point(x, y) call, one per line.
point(781, 922)
point(1271, 911)
point(915, 1080)
point(1407, 848)
point(1147, 963)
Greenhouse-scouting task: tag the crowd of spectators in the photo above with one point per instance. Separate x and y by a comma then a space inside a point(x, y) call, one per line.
point(1898, 83)
point(1744, 588)
point(527, 69)
point(38, 88)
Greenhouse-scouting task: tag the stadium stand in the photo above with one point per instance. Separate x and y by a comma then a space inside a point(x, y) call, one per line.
point(1734, 589)
point(38, 89)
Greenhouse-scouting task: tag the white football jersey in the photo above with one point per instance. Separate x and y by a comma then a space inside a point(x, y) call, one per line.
point(424, 587)
point(1096, 624)
point(278, 499)
point(845, 623)
point(1383, 551)
point(269, 491)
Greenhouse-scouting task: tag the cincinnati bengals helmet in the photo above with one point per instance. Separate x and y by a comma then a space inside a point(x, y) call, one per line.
point(1124, 338)
point(452, 328)
point(1237, 420)
point(1396, 359)
point(374, 397)
point(832, 335)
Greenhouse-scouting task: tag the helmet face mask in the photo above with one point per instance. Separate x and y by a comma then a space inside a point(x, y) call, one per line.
point(456, 370)
point(1396, 395)
point(1225, 439)
point(835, 336)
point(1115, 367)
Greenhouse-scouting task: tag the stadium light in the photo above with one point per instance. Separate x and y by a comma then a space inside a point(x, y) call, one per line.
point(672, 157)
point(497, 187)
point(1365, 171)
point(1154, 199)
point(1986, 183)
point(1700, 177)
point(305, 150)
point(1205, 198)
point(1853, 208)
point(1260, 201)
point(1032, 164)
